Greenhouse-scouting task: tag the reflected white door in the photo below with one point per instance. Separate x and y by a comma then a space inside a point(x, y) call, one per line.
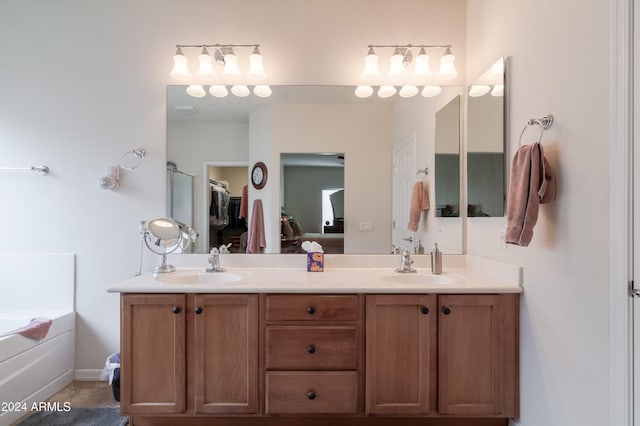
point(404, 175)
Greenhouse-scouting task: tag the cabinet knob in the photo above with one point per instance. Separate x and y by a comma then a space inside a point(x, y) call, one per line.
point(176, 309)
point(311, 310)
point(311, 349)
point(446, 310)
point(198, 310)
point(311, 395)
point(424, 310)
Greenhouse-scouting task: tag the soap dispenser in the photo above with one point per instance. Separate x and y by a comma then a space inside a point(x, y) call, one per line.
point(436, 260)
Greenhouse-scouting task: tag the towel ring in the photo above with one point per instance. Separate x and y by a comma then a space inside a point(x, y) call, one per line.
point(544, 123)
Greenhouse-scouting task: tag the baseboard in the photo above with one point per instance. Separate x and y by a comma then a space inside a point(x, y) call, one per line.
point(88, 375)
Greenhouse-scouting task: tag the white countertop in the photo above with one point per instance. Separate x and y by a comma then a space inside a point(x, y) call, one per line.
point(332, 280)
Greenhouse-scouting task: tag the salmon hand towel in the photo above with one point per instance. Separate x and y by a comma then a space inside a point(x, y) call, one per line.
point(532, 183)
point(256, 240)
point(37, 329)
point(244, 200)
point(419, 202)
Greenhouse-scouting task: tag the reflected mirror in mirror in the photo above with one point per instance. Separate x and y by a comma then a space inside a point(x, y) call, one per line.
point(235, 131)
point(485, 143)
point(312, 201)
point(447, 159)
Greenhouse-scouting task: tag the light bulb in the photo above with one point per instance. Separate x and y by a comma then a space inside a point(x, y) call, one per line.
point(422, 71)
point(262, 91)
point(447, 70)
point(386, 91)
point(478, 90)
point(431, 91)
point(371, 71)
point(180, 70)
point(364, 91)
point(397, 72)
point(408, 91)
point(205, 66)
point(240, 90)
point(218, 90)
point(231, 72)
point(498, 90)
point(256, 69)
point(196, 90)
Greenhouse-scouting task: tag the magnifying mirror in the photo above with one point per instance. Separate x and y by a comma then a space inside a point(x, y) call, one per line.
point(163, 236)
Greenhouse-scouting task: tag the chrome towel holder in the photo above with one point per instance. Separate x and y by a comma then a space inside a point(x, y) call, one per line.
point(41, 170)
point(544, 123)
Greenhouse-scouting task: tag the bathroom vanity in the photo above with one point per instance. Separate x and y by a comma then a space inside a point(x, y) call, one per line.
point(279, 346)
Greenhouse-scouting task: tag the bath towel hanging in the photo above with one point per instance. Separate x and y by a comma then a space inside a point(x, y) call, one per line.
point(419, 203)
point(256, 238)
point(532, 183)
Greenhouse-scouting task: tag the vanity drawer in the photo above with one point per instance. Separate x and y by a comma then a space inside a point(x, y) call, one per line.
point(312, 348)
point(312, 392)
point(312, 308)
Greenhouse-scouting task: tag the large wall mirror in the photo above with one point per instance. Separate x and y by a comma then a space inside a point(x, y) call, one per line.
point(207, 135)
point(485, 143)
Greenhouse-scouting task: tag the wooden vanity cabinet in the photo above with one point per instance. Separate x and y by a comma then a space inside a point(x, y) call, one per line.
point(190, 354)
point(401, 354)
point(478, 355)
point(313, 355)
point(153, 343)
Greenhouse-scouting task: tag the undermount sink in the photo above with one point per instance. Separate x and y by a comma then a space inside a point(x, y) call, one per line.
point(418, 278)
point(198, 278)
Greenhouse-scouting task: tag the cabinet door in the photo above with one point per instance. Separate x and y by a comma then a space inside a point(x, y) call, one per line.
point(477, 356)
point(401, 354)
point(226, 353)
point(153, 354)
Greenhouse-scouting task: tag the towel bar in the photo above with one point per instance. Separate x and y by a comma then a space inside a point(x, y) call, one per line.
point(544, 123)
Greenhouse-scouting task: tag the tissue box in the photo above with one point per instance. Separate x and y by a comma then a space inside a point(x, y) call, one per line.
point(315, 262)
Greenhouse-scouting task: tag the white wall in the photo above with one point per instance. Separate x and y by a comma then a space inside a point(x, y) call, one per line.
point(558, 64)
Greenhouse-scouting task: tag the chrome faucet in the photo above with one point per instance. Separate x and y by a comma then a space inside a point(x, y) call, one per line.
point(214, 261)
point(405, 266)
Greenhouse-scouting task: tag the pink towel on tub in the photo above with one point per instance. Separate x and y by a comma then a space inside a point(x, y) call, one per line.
point(37, 329)
point(532, 183)
point(256, 239)
point(419, 202)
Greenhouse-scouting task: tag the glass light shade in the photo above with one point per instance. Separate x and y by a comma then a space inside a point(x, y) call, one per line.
point(364, 91)
point(422, 71)
point(196, 90)
point(205, 66)
point(240, 90)
point(218, 90)
point(386, 91)
point(447, 70)
point(262, 91)
point(371, 71)
point(256, 69)
point(498, 90)
point(408, 91)
point(431, 91)
point(397, 72)
point(478, 90)
point(231, 72)
point(180, 70)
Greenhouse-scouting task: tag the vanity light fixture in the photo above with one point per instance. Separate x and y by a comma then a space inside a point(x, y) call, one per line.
point(478, 90)
point(498, 90)
point(229, 75)
point(400, 74)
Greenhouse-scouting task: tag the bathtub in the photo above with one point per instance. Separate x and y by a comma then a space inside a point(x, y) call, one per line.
point(32, 370)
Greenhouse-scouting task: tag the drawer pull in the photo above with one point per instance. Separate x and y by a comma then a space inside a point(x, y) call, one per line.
point(311, 310)
point(198, 310)
point(446, 310)
point(311, 395)
point(424, 310)
point(311, 349)
point(176, 309)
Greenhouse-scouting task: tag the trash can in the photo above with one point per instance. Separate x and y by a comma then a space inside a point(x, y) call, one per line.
point(111, 372)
